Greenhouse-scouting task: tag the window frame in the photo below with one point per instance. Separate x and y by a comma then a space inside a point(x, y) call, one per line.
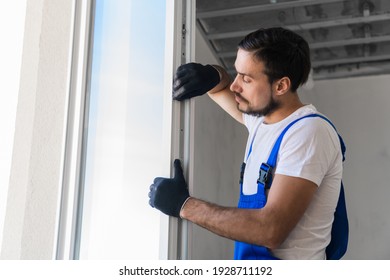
point(180, 42)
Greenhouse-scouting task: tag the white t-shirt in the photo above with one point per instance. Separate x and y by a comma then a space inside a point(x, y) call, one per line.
point(311, 150)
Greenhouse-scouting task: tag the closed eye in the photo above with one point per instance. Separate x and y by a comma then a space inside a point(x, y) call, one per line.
point(245, 79)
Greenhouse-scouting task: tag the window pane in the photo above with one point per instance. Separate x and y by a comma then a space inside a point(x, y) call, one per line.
point(126, 145)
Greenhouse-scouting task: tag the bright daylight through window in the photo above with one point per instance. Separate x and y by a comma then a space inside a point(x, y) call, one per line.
point(127, 141)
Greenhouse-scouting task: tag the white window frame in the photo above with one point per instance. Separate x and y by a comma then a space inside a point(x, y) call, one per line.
point(180, 22)
point(67, 218)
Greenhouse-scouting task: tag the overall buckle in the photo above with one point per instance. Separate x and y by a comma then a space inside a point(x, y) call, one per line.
point(242, 171)
point(265, 175)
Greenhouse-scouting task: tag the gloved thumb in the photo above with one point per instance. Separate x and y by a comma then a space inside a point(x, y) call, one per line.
point(178, 170)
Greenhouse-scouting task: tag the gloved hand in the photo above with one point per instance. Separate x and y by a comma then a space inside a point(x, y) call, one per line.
point(194, 79)
point(169, 195)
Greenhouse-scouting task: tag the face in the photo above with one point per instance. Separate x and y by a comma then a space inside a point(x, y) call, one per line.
point(253, 92)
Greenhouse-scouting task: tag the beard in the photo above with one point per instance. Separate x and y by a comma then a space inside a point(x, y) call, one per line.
point(269, 108)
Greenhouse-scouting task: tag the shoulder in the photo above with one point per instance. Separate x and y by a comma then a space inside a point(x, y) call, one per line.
point(314, 128)
point(310, 149)
point(313, 137)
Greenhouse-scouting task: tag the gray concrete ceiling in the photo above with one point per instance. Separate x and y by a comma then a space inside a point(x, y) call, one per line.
point(347, 38)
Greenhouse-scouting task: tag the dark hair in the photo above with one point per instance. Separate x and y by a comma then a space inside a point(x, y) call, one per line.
point(284, 53)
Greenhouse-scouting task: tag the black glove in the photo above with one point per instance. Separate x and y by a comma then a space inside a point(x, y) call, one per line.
point(194, 79)
point(169, 195)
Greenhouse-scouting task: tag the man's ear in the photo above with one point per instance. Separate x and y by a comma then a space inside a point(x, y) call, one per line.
point(282, 86)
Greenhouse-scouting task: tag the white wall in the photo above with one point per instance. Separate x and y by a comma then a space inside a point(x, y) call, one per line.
point(34, 187)
point(360, 109)
point(219, 150)
point(12, 14)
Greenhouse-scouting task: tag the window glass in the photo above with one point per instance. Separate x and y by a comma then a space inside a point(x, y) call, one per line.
point(126, 138)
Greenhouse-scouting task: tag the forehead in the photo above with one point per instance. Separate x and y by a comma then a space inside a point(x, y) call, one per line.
point(247, 64)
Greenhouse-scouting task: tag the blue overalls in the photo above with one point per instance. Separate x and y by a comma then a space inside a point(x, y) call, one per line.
point(339, 240)
point(246, 251)
point(242, 250)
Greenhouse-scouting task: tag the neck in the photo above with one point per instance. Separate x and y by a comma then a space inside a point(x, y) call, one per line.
point(287, 107)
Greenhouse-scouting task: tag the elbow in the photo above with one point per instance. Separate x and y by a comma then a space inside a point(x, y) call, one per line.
point(274, 243)
point(269, 230)
point(278, 234)
point(272, 238)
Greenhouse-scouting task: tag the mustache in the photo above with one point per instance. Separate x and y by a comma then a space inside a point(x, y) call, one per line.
point(240, 96)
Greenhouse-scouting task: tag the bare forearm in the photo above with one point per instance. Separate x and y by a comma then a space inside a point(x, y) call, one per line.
point(245, 225)
point(224, 80)
point(223, 96)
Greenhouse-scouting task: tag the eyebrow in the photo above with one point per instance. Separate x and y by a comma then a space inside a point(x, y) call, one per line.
point(243, 74)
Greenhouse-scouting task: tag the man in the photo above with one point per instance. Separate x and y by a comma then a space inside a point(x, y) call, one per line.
point(292, 217)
